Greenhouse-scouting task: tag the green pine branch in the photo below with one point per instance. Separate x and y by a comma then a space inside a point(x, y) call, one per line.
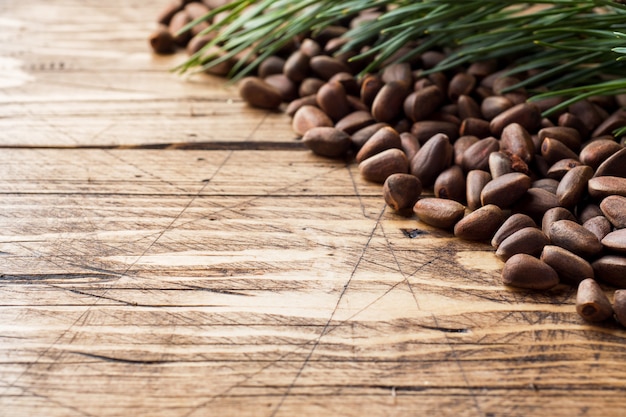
point(576, 48)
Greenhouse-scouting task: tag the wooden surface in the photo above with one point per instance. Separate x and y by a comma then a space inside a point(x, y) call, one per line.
point(240, 276)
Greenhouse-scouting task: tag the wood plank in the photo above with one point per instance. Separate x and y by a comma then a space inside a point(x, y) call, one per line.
point(99, 115)
point(167, 251)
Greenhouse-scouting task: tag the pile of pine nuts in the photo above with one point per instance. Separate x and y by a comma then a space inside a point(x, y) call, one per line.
point(458, 149)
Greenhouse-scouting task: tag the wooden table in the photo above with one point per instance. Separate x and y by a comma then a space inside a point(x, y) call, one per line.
point(166, 250)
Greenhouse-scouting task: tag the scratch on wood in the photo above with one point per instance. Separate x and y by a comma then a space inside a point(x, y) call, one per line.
point(330, 318)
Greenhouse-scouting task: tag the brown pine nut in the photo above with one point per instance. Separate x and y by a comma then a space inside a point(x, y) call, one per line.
point(588, 211)
point(481, 224)
point(462, 84)
point(450, 184)
point(619, 306)
point(401, 191)
point(570, 267)
point(613, 166)
point(326, 66)
point(529, 240)
point(597, 151)
point(494, 105)
point(547, 184)
point(516, 140)
point(370, 86)
point(553, 150)
point(477, 155)
point(308, 117)
point(433, 157)
point(601, 187)
point(473, 126)
point(553, 215)
point(587, 113)
point(288, 89)
point(400, 72)
point(460, 145)
point(295, 105)
point(515, 222)
point(468, 107)
point(526, 114)
point(438, 212)
point(535, 202)
point(168, 11)
point(611, 269)
point(426, 129)
point(505, 190)
point(385, 138)
point(525, 271)
point(599, 226)
point(310, 48)
point(389, 100)
point(327, 141)
point(613, 208)
point(355, 121)
point(573, 185)
point(258, 93)
point(362, 135)
point(332, 99)
point(297, 66)
point(568, 136)
point(423, 102)
point(575, 238)
point(615, 241)
point(608, 125)
point(162, 41)
point(476, 181)
point(592, 304)
point(410, 144)
point(499, 164)
point(558, 170)
point(179, 21)
point(380, 166)
point(308, 86)
point(196, 10)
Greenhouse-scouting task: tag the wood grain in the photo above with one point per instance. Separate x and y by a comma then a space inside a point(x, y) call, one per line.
point(167, 251)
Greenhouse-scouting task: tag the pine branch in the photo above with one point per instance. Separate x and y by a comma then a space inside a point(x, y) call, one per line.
point(568, 42)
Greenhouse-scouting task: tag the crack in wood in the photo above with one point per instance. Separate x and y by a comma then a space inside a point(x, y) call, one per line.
point(124, 360)
point(52, 276)
point(182, 146)
point(413, 233)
